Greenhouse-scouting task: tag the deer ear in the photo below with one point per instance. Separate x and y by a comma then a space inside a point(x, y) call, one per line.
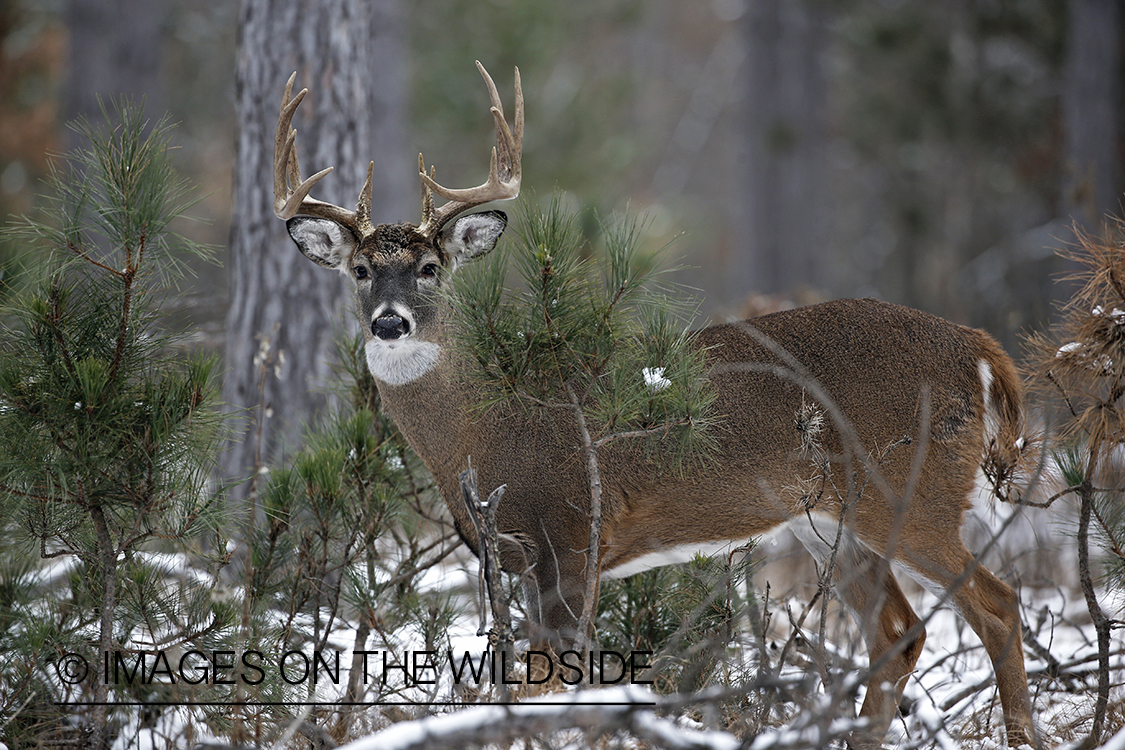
point(473, 235)
point(324, 242)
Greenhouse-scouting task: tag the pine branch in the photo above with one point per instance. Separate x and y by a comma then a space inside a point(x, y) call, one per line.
point(81, 253)
point(663, 429)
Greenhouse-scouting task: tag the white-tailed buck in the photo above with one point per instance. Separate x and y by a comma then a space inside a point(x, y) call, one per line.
point(905, 408)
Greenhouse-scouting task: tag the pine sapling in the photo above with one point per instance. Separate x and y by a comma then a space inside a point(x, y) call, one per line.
point(107, 432)
point(600, 339)
point(1080, 365)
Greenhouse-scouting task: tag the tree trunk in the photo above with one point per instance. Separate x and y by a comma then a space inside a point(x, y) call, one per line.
point(786, 192)
point(1091, 105)
point(107, 567)
point(350, 55)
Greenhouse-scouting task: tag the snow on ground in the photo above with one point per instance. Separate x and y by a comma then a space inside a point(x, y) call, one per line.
point(953, 689)
point(952, 696)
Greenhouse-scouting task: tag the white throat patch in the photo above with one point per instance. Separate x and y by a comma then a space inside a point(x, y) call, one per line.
point(399, 362)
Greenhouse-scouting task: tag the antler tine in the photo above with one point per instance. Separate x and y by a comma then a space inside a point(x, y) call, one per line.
point(292, 201)
point(511, 146)
point(504, 169)
point(363, 206)
point(428, 209)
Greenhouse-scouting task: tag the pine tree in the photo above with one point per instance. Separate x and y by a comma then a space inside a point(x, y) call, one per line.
point(108, 432)
point(603, 339)
point(1080, 364)
point(341, 548)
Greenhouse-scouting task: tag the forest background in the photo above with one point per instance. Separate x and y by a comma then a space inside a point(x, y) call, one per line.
point(935, 155)
point(931, 154)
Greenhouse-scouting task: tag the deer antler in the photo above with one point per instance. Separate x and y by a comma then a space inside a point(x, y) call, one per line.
point(504, 171)
point(291, 193)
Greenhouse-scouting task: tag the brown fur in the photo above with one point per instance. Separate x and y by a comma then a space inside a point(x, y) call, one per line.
point(879, 370)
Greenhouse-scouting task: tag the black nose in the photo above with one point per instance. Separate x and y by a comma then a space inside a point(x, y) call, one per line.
point(390, 327)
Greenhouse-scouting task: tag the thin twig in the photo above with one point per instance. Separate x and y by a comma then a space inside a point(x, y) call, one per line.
point(593, 550)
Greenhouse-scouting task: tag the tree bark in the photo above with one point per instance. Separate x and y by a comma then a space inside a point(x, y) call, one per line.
point(350, 55)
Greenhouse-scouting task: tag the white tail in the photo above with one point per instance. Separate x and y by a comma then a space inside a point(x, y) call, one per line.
point(857, 412)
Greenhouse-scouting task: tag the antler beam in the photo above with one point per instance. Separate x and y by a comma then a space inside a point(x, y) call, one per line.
point(291, 193)
point(504, 171)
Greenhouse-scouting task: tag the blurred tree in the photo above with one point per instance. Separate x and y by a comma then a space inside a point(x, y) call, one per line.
point(350, 54)
point(31, 64)
point(115, 50)
point(785, 118)
point(176, 56)
point(948, 157)
point(1091, 104)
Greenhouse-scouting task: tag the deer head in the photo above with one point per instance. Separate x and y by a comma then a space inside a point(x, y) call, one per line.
point(397, 268)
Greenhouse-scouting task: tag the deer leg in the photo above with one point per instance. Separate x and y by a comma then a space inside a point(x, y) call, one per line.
point(559, 581)
point(893, 635)
point(991, 608)
point(865, 584)
point(521, 555)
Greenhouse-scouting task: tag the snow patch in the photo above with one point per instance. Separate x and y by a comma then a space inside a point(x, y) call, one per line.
point(654, 378)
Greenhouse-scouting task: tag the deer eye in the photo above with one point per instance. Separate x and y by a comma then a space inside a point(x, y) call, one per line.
point(429, 270)
point(360, 272)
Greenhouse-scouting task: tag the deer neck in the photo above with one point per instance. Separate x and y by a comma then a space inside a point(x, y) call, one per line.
point(436, 416)
point(433, 411)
